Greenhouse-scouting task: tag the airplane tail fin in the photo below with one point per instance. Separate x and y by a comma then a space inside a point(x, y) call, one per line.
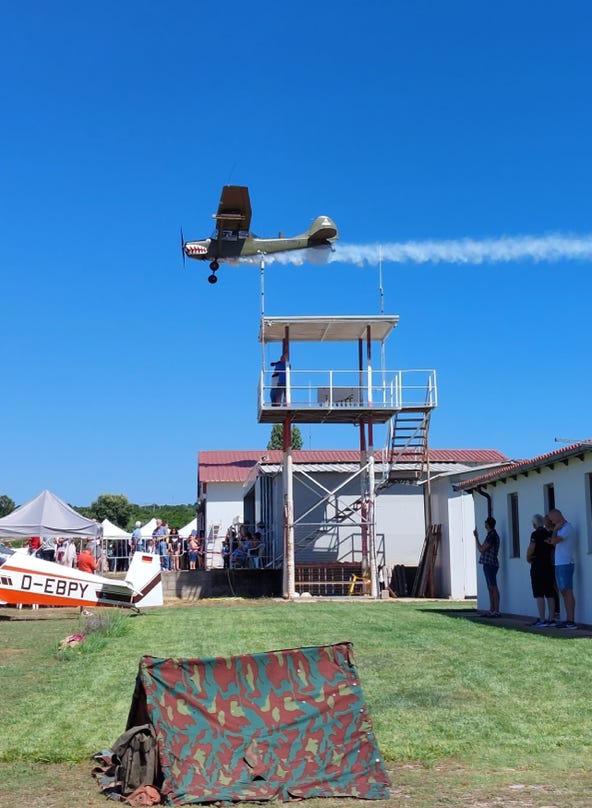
point(321, 232)
point(145, 576)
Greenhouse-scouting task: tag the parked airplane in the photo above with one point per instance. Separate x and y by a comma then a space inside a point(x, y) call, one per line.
point(233, 239)
point(27, 579)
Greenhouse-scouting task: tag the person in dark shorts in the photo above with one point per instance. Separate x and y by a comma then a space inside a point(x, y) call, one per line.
point(541, 557)
point(489, 550)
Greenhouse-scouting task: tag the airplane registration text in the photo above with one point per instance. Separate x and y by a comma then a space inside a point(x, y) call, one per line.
point(55, 586)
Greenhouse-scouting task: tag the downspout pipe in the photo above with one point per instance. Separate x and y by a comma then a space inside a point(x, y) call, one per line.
point(487, 496)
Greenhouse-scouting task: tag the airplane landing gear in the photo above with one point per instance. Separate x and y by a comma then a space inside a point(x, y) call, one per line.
point(213, 266)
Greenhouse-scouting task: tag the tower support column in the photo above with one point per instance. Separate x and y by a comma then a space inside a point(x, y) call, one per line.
point(289, 582)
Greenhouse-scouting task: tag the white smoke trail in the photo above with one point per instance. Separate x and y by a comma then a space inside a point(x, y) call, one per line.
point(553, 247)
point(470, 251)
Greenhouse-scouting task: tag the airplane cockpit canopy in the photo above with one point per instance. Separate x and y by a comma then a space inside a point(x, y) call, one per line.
point(5, 553)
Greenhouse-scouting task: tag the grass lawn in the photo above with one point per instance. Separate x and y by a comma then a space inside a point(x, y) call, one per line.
point(465, 714)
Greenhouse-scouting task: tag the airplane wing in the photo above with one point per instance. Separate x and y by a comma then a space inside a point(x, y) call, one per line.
point(234, 209)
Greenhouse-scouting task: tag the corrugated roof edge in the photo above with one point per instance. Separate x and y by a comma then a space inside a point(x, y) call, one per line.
point(520, 466)
point(231, 465)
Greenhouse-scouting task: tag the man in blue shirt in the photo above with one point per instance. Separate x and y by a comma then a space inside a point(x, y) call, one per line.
point(278, 381)
point(159, 534)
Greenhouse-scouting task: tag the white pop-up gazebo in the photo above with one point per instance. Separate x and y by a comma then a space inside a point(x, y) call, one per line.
point(47, 515)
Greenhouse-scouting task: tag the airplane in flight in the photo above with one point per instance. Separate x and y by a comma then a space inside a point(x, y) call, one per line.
point(232, 238)
point(26, 579)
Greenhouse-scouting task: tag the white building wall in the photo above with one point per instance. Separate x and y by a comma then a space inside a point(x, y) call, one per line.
point(455, 563)
point(400, 518)
point(341, 543)
point(398, 515)
point(400, 527)
point(463, 568)
point(224, 504)
point(571, 489)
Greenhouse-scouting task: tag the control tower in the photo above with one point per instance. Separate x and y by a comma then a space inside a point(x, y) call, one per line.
point(364, 393)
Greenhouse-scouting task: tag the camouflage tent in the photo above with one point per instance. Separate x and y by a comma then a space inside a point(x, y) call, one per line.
point(281, 724)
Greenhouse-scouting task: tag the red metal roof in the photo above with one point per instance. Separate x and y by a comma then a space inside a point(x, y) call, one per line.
point(519, 466)
point(233, 466)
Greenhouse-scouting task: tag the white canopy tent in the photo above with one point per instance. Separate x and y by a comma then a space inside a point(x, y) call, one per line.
point(111, 531)
point(47, 515)
point(185, 532)
point(148, 528)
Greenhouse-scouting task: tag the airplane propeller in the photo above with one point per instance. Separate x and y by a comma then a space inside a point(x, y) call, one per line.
point(183, 247)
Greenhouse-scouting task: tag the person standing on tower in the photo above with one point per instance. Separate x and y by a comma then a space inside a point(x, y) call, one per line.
point(278, 381)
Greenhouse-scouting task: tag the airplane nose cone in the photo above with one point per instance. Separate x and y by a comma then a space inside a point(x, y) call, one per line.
point(195, 249)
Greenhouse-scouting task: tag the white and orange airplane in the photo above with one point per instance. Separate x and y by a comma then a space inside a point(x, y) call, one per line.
point(26, 579)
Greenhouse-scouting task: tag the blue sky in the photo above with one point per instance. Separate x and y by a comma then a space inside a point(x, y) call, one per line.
point(403, 121)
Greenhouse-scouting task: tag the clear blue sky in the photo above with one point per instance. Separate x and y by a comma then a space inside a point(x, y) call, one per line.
point(404, 121)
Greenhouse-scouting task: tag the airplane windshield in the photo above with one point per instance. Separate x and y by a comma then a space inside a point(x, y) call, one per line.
point(5, 553)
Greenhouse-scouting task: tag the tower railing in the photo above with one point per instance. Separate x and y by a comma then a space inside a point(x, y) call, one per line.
point(328, 388)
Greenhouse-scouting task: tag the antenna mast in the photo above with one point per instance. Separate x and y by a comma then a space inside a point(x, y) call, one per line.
point(380, 289)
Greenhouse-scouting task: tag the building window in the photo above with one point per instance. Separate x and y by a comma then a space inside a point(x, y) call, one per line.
point(514, 526)
point(549, 493)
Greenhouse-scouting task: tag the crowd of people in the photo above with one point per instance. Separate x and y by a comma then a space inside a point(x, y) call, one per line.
point(60, 549)
point(240, 549)
point(176, 552)
point(114, 555)
point(551, 557)
point(550, 554)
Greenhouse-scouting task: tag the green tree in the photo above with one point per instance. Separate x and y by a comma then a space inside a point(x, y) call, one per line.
point(6, 505)
point(275, 439)
point(175, 515)
point(114, 507)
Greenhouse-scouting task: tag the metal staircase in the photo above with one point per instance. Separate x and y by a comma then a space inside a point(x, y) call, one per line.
point(406, 453)
point(405, 459)
point(341, 515)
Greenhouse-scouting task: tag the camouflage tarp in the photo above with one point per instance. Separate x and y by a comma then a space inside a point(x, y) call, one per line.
point(289, 724)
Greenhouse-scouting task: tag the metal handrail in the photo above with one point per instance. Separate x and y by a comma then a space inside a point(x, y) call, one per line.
point(314, 388)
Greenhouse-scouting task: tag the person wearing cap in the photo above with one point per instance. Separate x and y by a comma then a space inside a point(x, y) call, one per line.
point(136, 541)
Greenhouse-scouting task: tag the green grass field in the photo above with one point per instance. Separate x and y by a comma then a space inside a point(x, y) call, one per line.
point(444, 693)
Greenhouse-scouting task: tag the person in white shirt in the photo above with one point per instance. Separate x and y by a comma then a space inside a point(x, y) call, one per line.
point(563, 539)
point(69, 556)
